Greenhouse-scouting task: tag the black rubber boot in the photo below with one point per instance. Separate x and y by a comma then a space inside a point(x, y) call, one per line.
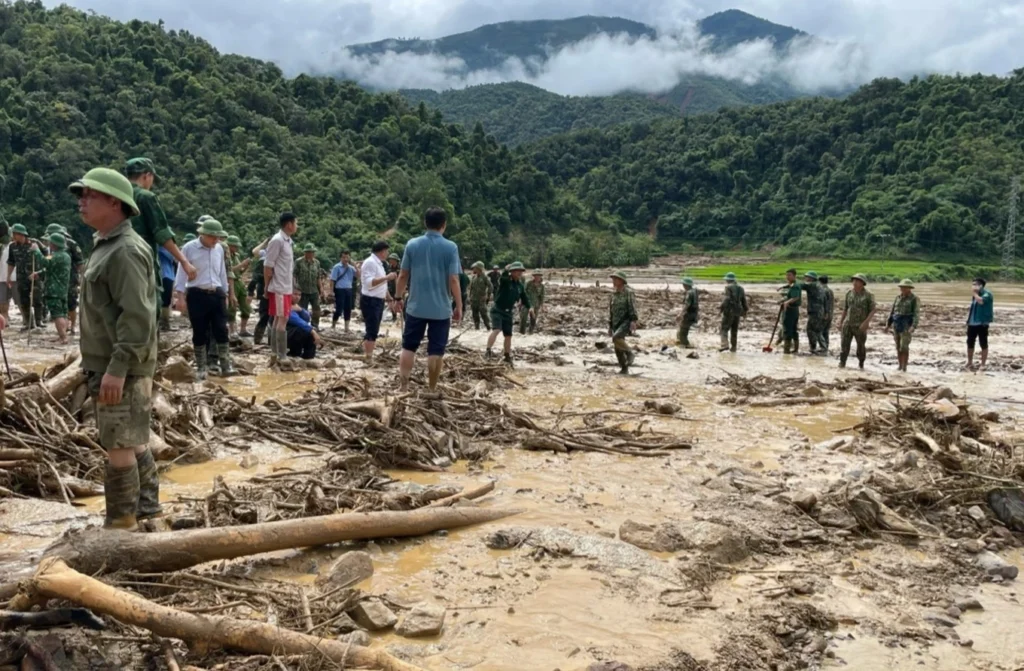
point(201, 363)
point(224, 359)
point(257, 337)
point(121, 491)
point(149, 487)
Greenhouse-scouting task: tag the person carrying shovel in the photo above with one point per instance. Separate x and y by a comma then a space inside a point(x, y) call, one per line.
point(733, 307)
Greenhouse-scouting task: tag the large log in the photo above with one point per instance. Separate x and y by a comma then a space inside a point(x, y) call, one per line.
point(59, 386)
point(93, 551)
point(55, 580)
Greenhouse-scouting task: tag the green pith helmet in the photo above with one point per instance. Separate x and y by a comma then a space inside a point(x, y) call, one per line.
point(234, 241)
point(687, 281)
point(495, 267)
point(57, 240)
point(730, 277)
point(516, 266)
point(860, 277)
point(202, 218)
point(538, 273)
point(139, 166)
point(211, 227)
point(394, 257)
point(19, 229)
point(478, 264)
point(54, 228)
point(189, 237)
point(108, 182)
point(813, 275)
point(907, 283)
point(619, 275)
point(309, 248)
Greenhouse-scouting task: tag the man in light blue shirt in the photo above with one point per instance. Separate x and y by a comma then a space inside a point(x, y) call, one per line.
point(207, 295)
point(430, 270)
point(343, 275)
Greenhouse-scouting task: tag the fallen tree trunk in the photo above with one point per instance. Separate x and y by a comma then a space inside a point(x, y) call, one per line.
point(18, 454)
point(796, 400)
point(58, 387)
point(102, 550)
point(466, 494)
point(55, 580)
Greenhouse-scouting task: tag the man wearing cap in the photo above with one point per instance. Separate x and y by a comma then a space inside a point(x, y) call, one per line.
point(510, 293)
point(56, 270)
point(151, 222)
point(791, 313)
point(815, 310)
point(829, 306)
point(343, 276)
point(394, 266)
point(733, 307)
point(21, 257)
point(118, 344)
point(690, 314)
point(373, 295)
point(237, 267)
point(979, 317)
point(535, 292)
point(858, 310)
point(494, 276)
point(278, 276)
point(307, 281)
point(480, 292)
point(77, 265)
point(903, 319)
point(207, 296)
point(622, 319)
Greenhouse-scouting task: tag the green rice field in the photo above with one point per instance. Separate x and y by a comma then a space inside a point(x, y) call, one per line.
point(840, 270)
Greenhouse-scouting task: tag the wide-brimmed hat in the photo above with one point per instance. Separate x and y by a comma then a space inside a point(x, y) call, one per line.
point(860, 277)
point(810, 273)
point(730, 277)
point(310, 247)
point(619, 275)
point(478, 264)
point(108, 182)
point(19, 229)
point(537, 273)
point(516, 266)
point(54, 228)
point(394, 257)
point(907, 283)
point(211, 227)
point(189, 237)
point(57, 240)
point(139, 166)
point(687, 281)
point(234, 241)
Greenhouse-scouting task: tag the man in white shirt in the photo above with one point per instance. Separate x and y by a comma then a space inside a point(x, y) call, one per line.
point(207, 296)
point(373, 295)
point(6, 291)
point(278, 269)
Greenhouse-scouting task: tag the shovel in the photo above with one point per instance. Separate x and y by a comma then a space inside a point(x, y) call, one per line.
point(768, 347)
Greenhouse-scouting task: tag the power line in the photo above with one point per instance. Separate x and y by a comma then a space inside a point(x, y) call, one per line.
point(1010, 241)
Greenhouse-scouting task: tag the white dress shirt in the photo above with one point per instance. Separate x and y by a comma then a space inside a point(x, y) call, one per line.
point(281, 257)
point(211, 273)
point(373, 268)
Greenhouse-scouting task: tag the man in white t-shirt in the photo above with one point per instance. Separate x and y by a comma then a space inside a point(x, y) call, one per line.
point(374, 280)
point(278, 269)
point(6, 291)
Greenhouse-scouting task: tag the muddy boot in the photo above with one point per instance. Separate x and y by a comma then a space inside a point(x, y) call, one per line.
point(257, 336)
point(507, 360)
point(623, 362)
point(489, 354)
point(201, 363)
point(786, 346)
point(224, 358)
point(165, 319)
point(121, 491)
point(860, 363)
point(630, 358)
point(842, 361)
point(149, 487)
point(212, 355)
point(796, 345)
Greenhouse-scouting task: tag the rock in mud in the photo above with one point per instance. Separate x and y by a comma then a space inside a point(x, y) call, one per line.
point(347, 570)
point(355, 638)
point(836, 443)
point(969, 603)
point(661, 538)
point(373, 615)
point(941, 619)
point(976, 514)
point(994, 565)
point(1008, 506)
point(812, 391)
point(940, 393)
point(609, 666)
point(831, 516)
point(720, 543)
point(178, 370)
point(422, 620)
point(805, 500)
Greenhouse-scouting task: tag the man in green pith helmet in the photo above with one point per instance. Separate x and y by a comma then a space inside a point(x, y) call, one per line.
point(535, 291)
point(903, 319)
point(858, 310)
point(690, 314)
point(732, 309)
point(237, 266)
point(22, 258)
point(56, 270)
point(790, 305)
point(77, 265)
point(829, 305)
point(307, 281)
point(510, 293)
point(480, 296)
point(118, 344)
point(815, 310)
point(494, 276)
point(622, 319)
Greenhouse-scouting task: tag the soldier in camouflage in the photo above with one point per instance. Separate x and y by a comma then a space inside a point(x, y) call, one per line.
point(528, 316)
point(827, 315)
point(689, 317)
point(56, 269)
point(622, 319)
point(480, 296)
point(21, 258)
point(77, 265)
point(858, 311)
point(733, 307)
point(815, 311)
point(236, 267)
point(307, 279)
point(903, 319)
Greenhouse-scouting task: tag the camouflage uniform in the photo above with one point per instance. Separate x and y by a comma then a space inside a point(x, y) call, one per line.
point(734, 306)
point(815, 313)
point(241, 304)
point(906, 312)
point(75, 281)
point(829, 306)
point(479, 296)
point(536, 293)
point(57, 270)
point(622, 314)
point(30, 294)
point(857, 308)
point(307, 280)
point(691, 309)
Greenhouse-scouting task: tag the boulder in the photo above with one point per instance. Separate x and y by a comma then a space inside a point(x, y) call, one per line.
point(805, 500)
point(812, 391)
point(993, 565)
point(178, 370)
point(373, 615)
point(422, 620)
point(969, 603)
point(720, 543)
point(940, 393)
point(660, 538)
point(347, 570)
point(1008, 506)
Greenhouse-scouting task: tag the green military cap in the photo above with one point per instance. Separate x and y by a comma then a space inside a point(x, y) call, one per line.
point(394, 257)
point(20, 229)
point(139, 166)
point(108, 182)
point(310, 247)
point(688, 281)
point(202, 218)
point(211, 227)
point(810, 273)
point(189, 237)
point(57, 240)
point(516, 266)
point(234, 241)
point(54, 228)
point(860, 277)
point(730, 277)
point(619, 275)
point(907, 283)
point(478, 264)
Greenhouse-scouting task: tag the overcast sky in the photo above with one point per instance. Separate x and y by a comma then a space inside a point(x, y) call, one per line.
point(868, 38)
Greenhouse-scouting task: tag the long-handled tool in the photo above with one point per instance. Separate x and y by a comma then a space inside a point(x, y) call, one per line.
point(768, 347)
point(4, 350)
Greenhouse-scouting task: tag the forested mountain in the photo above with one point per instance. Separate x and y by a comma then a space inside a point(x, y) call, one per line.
point(924, 165)
point(732, 27)
point(233, 138)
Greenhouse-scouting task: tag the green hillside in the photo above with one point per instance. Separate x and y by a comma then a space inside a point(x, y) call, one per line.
point(733, 27)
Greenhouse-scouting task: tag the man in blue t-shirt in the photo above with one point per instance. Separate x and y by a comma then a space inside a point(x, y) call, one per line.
point(978, 319)
point(168, 269)
point(303, 338)
point(343, 275)
point(430, 270)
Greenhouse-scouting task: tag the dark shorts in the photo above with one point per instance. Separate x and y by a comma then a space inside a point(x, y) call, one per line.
point(436, 330)
point(979, 332)
point(373, 312)
point(127, 423)
point(57, 306)
point(502, 321)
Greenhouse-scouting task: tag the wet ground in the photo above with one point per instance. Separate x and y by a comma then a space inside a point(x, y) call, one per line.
point(513, 609)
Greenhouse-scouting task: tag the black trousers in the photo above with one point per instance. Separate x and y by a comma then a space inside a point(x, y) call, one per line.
point(300, 343)
point(343, 302)
point(264, 310)
point(207, 311)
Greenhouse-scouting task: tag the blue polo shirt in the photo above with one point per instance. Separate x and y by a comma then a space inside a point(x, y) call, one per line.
point(342, 275)
point(431, 261)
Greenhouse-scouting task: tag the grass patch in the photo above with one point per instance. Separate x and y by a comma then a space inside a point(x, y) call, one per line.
point(841, 270)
